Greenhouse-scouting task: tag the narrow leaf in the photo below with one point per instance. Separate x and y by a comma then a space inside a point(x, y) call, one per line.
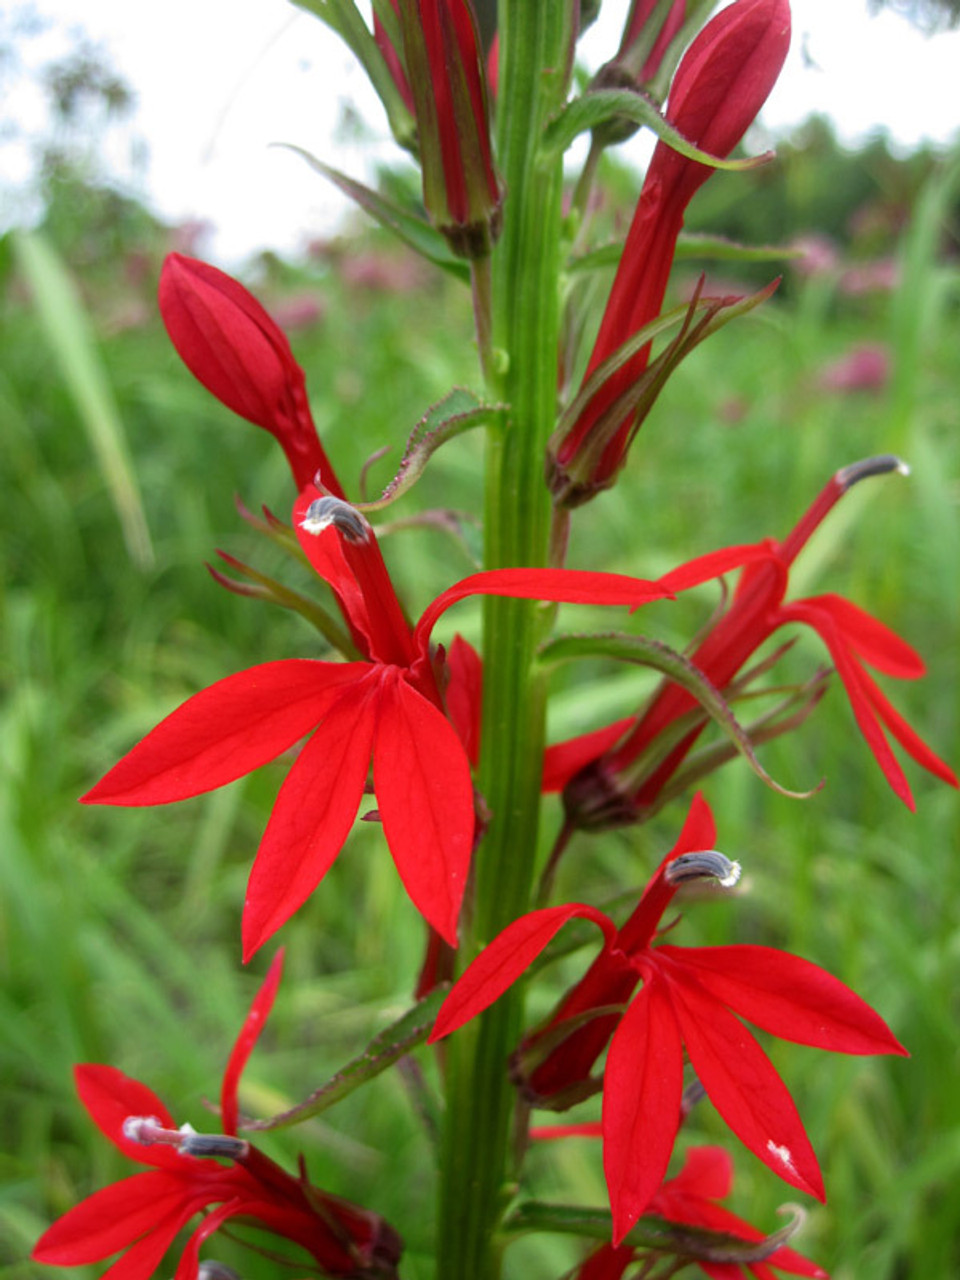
point(600, 105)
point(689, 246)
point(459, 411)
point(412, 230)
point(652, 653)
point(386, 1048)
point(695, 244)
point(650, 1233)
point(264, 587)
point(344, 17)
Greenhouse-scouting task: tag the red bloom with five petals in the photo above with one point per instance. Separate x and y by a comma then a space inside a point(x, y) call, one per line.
point(615, 774)
point(143, 1214)
point(385, 709)
point(691, 998)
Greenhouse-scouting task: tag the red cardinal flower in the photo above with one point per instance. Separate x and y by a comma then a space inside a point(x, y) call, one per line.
point(690, 1199)
point(230, 344)
point(720, 85)
point(692, 999)
point(385, 709)
point(616, 774)
point(445, 77)
point(143, 1214)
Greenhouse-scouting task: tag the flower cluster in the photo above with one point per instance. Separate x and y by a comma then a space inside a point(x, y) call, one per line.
point(429, 730)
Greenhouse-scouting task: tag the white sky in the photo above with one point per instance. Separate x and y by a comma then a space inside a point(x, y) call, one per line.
point(218, 81)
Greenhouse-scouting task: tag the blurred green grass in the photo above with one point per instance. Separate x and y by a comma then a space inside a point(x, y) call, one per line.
point(119, 929)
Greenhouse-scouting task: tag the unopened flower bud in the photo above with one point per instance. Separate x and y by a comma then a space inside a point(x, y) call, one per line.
point(445, 72)
point(721, 83)
point(230, 344)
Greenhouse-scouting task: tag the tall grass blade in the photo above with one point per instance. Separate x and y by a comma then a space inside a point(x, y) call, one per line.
point(69, 333)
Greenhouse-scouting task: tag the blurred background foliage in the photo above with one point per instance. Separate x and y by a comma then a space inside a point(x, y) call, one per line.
point(119, 930)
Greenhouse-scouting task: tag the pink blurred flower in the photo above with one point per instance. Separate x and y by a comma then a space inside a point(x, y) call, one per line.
point(863, 368)
point(302, 311)
point(819, 255)
point(882, 275)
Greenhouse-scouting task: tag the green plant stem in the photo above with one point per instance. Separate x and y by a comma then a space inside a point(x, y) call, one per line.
point(474, 1169)
point(480, 285)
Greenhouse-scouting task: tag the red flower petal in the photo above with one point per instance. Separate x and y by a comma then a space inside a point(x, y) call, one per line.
point(501, 963)
point(869, 638)
point(789, 997)
point(743, 1084)
point(564, 759)
point(715, 564)
point(565, 586)
point(707, 1173)
point(225, 731)
point(606, 1263)
point(349, 559)
point(313, 813)
point(113, 1218)
point(908, 738)
point(463, 696)
point(642, 1092)
point(111, 1097)
point(706, 1176)
point(141, 1261)
point(189, 1261)
point(870, 706)
point(249, 1035)
point(724, 79)
point(551, 1132)
point(421, 777)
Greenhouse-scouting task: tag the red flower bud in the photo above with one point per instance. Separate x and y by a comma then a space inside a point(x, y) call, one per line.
point(444, 68)
point(720, 85)
point(230, 344)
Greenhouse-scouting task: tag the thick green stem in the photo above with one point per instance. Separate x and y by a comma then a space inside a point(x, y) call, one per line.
point(535, 41)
